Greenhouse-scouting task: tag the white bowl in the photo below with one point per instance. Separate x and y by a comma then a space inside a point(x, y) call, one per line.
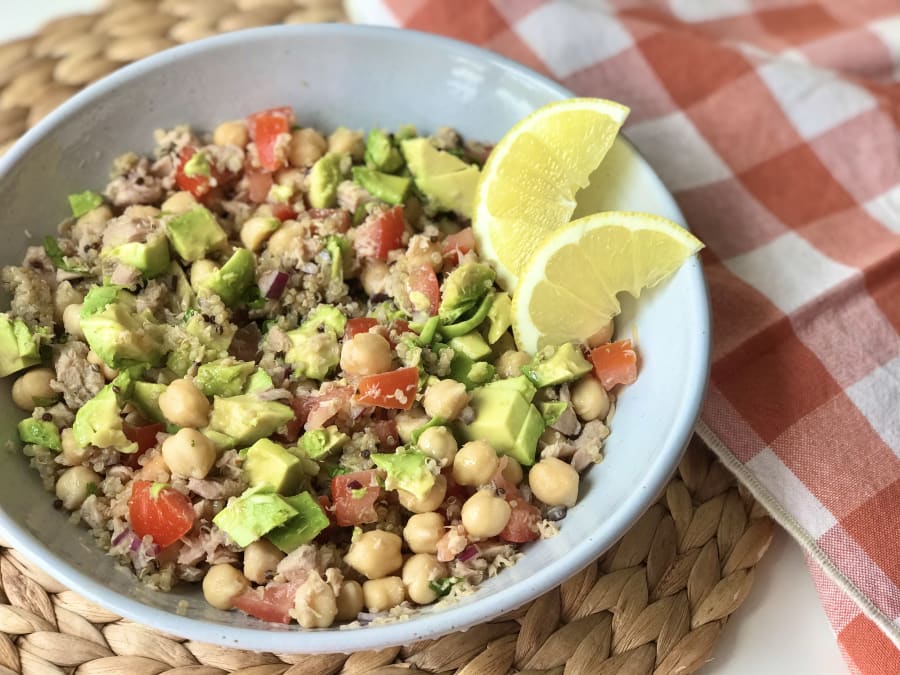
point(359, 77)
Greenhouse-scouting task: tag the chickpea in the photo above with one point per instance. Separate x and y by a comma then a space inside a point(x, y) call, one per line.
point(423, 531)
point(180, 202)
point(349, 601)
point(589, 399)
point(154, 468)
point(222, 584)
point(554, 482)
point(184, 405)
point(33, 384)
point(94, 220)
point(346, 140)
point(432, 499)
point(202, 270)
point(72, 452)
point(602, 336)
point(306, 147)
point(260, 560)
point(71, 319)
point(366, 354)
point(418, 573)
point(65, 296)
point(512, 471)
point(375, 554)
point(510, 363)
point(439, 444)
point(233, 132)
point(109, 373)
point(141, 211)
point(315, 605)
point(408, 421)
point(383, 594)
point(422, 252)
point(189, 453)
point(256, 230)
point(485, 514)
point(445, 398)
point(73, 486)
point(475, 463)
point(286, 238)
point(374, 277)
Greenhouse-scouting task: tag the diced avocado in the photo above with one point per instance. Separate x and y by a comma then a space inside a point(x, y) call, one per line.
point(499, 317)
point(463, 289)
point(82, 202)
point(552, 410)
point(197, 165)
point(520, 384)
point(428, 331)
point(424, 159)
point(324, 316)
point(98, 421)
point(482, 372)
point(471, 323)
point(384, 186)
point(259, 381)
point(234, 278)
point(220, 441)
point(433, 422)
point(472, 345)
point(555, 365)
point(195, 233)
point(150, 258)
point(280, 194)
point(257, 511)
point(198, 341)
point(313, 355)
point(19, 347)
point(406, 131)
point(39, 432)
point(324, 178)
point(338, 248)
point(246, 418)
point(116, 332)
point(319, 443)
point(145, 395)
point(506, 420)
point(302, 528)
point(447, 181)
point(183, 291)
point(407, 471)
point(470, 373)
point(269, 463)
point(225, 377)
point(381, 153)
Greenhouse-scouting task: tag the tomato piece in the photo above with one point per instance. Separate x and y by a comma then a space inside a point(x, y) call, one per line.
point(386, 431)
point(272, 604)
point(395, 389)
point(283, 211)
point(381, 234)
point(326, 406)
point(456, 245)
point(265, 127)
point(423, 281)
point(615, 363)
point(144, 436)
point(166, 516)
point(258, 185)
point(522, 524)
point(359, 325)
point(354, 496)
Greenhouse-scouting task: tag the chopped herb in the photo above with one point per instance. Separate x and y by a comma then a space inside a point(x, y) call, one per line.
point(443, 586)
point(91, 488)
point(54, 252)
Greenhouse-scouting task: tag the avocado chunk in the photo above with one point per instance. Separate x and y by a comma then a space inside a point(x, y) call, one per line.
point(246, 418)
point(324, 316)
point(472, 345)
point(116, 331)
point(381, 154)
point(302, 528)
point(145, 395)
point(259, 381)
point(82, 202)
point(232, 281)
point(447, 181)
point(221, 442)
point(319, 443)
point(98, 421)
point(39, 432)
point(268, 463)
point(197, 165)
point(470, 373)
point(463, 289)
point(506, 420)
point(314, 348)
point(195, 233)
point(384, 186)
point(520, 384)
point(324, 178)
point(224, 377)
point(499, 317)
point(200, 340)
point(19, 347)
point(472, 322)
point(338, 247)
point(257, 511)
point(150, 258)
point(555, 365)
point(551, 411)
point(406, 471)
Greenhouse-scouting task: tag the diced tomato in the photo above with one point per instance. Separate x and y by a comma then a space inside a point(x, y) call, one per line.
point(265, 127)
point(381, 234)
point(354, 496)
point(424, 281)
point(615, 363)
point(401, 326)
point(272, 604)
point(395, 389)
point(200, 186)
point(522, 524)
point(283, 212)
point(144, 436)
point(359, 325)
point(338, 218)
point(457, 245)
point(166, 517)
point(258, 185)
point(386, 431)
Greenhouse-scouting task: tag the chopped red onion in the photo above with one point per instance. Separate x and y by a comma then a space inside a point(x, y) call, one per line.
point(119, 538)
point(354, 485)
point(468, 553)
point(273, 283)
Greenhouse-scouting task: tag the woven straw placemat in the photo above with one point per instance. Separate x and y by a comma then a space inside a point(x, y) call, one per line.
point(655, 603)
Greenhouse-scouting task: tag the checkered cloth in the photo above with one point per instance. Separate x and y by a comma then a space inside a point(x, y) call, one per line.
point(775, 125)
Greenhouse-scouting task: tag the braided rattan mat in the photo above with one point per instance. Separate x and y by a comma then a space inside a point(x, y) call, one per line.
point(655, 603)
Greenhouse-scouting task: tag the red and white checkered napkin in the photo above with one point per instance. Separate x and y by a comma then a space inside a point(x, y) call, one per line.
point(775, 125)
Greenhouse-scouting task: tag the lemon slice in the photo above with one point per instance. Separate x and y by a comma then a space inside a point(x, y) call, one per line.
point(568, 289)
point(528, 184)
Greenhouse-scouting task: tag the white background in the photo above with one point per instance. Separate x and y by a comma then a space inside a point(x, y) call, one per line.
point(779, 630)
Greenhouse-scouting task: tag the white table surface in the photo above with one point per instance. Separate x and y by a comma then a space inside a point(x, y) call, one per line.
point(780, 629)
